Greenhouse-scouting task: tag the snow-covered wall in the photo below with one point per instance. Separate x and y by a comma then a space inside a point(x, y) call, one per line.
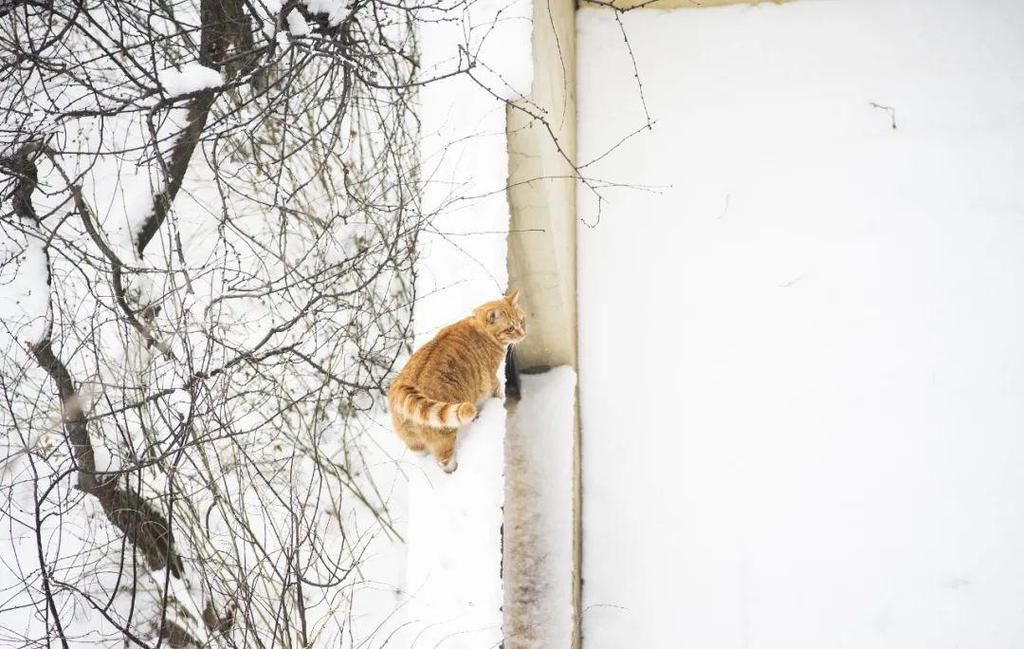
point(453, 568)
point(802, 365)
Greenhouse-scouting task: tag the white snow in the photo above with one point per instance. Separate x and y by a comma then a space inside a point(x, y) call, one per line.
point(335, 10)
point(801, 362)
point(453, 573)
point(538, 569)
point(495, 37)
point(465, 160)
point(297, 25)
point(192, 77)
point(23, 291)
point(454, 556)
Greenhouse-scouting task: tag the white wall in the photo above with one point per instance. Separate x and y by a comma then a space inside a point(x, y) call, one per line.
point(802, 360)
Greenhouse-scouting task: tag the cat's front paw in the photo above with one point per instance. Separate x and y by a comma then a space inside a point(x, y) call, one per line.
point(449, 465)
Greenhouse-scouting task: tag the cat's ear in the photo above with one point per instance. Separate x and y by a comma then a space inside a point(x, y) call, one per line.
point(493, 315)
point(513, 297)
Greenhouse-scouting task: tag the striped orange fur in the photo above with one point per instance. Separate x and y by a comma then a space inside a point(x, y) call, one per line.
point(428, 412)
point(443, 383)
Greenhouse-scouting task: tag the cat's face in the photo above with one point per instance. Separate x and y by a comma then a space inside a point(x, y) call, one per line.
point(504, 319)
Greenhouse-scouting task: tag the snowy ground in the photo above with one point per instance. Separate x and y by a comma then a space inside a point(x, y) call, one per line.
point(801, 361)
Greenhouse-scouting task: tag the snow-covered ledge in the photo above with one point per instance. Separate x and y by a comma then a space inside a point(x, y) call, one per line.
point(453, 582)
point(453, 565)
point(539, 521)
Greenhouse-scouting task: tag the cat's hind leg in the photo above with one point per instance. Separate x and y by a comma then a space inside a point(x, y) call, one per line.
point(441, 442)
point(407, 431)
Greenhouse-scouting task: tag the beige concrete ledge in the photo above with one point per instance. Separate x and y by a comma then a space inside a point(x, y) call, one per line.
point(542, 251)
point(542, 192)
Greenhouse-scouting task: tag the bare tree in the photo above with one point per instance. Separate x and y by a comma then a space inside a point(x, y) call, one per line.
point(209, 226)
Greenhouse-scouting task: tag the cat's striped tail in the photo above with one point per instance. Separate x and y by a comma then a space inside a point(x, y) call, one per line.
point(411, 404)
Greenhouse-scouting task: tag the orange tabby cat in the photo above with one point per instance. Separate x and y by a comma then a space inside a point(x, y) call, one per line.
point(440, 387)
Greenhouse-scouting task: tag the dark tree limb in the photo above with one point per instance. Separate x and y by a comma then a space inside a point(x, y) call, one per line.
point(141, 523)
point(198, 112)
point(224, 24)
point(125, 508)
